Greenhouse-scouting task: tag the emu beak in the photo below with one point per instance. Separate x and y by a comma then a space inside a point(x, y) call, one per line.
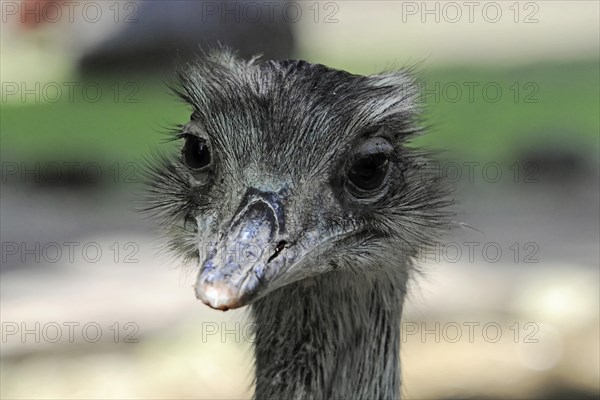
point(244, 258)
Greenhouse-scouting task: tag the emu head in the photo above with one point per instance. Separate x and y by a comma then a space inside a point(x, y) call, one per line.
point(289, 170)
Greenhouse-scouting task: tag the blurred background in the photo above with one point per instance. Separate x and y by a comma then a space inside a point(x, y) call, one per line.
point(508, 306)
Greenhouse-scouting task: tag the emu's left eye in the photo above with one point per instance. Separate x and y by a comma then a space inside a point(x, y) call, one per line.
point(368, 167)
point(196, 153)
point(368, 173)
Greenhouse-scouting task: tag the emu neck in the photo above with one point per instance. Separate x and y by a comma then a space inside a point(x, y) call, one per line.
point(330, 337)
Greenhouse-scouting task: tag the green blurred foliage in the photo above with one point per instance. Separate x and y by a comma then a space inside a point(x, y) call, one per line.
point(540, 105)
point(122, 125)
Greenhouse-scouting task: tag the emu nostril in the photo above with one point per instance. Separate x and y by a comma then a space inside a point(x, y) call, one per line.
point(278, 249)
point(190, 224)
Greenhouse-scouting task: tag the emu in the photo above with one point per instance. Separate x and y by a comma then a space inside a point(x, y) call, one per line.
point(297, 192)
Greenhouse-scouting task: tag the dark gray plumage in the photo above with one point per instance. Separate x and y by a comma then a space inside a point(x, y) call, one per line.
point(296, 193)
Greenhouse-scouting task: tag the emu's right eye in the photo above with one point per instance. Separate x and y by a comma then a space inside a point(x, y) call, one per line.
point(368, 173)
point(196, 153)
point(368, 167)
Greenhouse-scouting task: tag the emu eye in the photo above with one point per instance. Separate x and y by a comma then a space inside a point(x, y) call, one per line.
point(195, 152)
point(368, 173)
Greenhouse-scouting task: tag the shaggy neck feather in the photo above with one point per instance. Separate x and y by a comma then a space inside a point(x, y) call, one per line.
point(330, 337)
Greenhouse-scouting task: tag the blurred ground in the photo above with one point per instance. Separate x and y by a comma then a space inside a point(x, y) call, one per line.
point(184, 351)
